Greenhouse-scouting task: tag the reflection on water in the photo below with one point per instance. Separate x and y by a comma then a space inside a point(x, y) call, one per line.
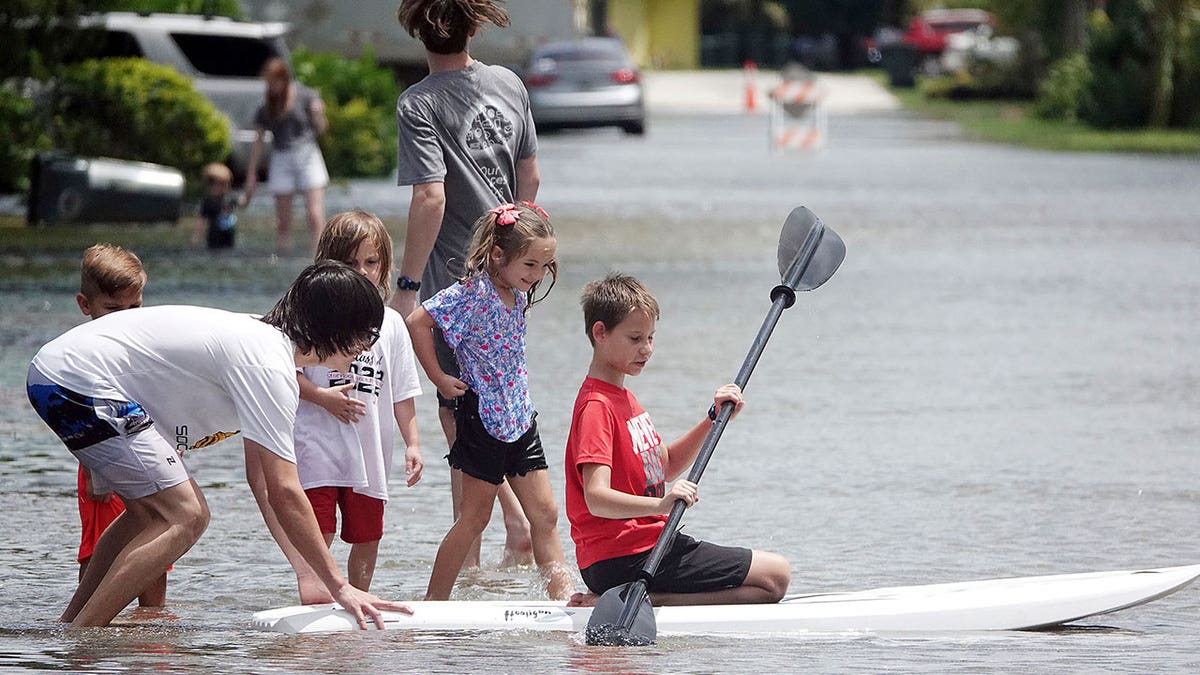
point(998, 382)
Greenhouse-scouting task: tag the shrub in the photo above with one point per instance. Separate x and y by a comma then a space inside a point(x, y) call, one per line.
point(1062, 92)
point(136, 110)
point(360, 102)
point(21, 135)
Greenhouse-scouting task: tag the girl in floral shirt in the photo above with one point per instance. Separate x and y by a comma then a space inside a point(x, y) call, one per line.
point(482, 318)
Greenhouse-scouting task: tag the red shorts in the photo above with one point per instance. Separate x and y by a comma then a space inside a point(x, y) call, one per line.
point(362, 516)
point(95, 517)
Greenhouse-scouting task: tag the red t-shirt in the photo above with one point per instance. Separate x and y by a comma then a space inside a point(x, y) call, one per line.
point(609, 427)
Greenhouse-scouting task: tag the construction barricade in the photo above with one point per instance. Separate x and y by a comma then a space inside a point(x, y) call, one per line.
point(798, 117)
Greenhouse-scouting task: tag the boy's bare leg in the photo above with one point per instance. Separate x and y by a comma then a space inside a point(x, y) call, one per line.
point(155, 594)
point(536, 497)
point(361, 565)
point(478, 499)
point(138, 547)
point(767, 582)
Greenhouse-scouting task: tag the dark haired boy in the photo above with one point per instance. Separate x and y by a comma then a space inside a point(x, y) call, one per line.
point(130, 394)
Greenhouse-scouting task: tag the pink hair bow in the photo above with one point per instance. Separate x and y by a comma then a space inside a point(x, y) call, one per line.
point(506, 214)
point(541, 212)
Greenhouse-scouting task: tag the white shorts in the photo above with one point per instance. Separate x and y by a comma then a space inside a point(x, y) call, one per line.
point(298, 169)
point(115, 440)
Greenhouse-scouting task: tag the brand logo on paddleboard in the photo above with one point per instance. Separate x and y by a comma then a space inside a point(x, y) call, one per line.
point(529, 614)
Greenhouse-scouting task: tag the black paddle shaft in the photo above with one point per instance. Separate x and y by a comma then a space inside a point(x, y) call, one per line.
point(783, 296)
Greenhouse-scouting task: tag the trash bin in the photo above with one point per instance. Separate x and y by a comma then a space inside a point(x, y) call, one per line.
point(69, 189)
point(900, 62)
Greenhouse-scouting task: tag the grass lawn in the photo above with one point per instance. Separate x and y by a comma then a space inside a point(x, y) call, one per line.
point(1012, 122)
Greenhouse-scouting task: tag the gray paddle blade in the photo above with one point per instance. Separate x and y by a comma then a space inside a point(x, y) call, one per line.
point(606, 629)
point(826, 247)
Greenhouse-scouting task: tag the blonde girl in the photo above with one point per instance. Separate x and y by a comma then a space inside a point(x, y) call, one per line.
point(344, 429)
point(482, 318)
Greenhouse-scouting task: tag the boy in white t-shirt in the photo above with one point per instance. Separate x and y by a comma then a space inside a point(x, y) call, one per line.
point(133, 391)
point(344, 430)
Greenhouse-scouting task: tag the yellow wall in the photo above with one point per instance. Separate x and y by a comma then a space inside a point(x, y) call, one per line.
point(660, 34)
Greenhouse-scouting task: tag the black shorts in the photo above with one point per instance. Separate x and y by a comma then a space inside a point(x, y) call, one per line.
point(480, 455)
point(691, 566)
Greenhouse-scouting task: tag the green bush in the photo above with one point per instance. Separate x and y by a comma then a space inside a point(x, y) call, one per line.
point(135, 110)
point(360, 102)
point(1062, 92)
point(21, 135)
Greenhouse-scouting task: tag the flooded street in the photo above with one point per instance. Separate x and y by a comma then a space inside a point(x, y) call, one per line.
point(1003, 379)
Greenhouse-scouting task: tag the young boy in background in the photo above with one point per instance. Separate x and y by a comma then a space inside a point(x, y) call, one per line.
point(110, 279)
point(217, 208)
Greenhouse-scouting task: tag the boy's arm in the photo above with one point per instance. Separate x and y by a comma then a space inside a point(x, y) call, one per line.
point(277, 490)
point(425, 213)
point(406, 418)
point(332, 399)
point(528, 179)
point(420, 330)
point(605, 502)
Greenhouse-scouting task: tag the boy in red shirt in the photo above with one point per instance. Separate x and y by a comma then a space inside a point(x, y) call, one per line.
point(110, 279)
point(617, 467)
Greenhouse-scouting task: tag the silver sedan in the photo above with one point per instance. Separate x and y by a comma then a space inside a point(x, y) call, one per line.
point(585, 83)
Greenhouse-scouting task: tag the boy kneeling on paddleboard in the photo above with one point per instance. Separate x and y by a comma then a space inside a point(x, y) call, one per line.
point(617, 467)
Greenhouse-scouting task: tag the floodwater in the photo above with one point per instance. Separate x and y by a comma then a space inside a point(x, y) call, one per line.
point(1003, 379)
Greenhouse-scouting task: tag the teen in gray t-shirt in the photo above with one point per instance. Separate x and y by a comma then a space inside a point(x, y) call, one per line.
point(466, 129)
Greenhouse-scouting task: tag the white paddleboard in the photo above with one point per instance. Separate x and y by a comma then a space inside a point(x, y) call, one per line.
point(994, 604)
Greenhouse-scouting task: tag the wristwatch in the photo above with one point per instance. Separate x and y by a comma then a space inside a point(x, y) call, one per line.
point(406, 284)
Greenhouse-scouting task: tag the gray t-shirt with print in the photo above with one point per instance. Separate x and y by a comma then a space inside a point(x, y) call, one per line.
point(467, 129)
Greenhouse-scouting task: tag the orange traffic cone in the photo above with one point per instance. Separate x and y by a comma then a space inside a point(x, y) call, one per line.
point(751, 71)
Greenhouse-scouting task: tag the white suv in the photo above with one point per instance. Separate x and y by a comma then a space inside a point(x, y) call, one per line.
point(222, 56)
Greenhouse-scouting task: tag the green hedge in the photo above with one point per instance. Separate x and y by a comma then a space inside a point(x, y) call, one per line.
point(21, 135)
point(360, 102)
point(136, 110)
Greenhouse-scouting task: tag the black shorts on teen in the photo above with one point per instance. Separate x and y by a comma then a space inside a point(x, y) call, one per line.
point(478, 454)
point(690, 566)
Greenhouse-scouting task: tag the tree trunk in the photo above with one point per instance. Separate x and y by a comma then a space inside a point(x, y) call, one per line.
point(1074, 25)
point(1168, 21)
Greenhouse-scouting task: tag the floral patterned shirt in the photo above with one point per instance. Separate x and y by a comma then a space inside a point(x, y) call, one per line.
point(488, 338)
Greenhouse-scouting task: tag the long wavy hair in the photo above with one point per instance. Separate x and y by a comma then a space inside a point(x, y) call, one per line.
point(513, 239)
point(343, 234)
point(276, 70)
point(444, 26)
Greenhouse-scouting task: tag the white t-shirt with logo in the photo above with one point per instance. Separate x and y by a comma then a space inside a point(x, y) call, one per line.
point(202, 374)
point(331, 453)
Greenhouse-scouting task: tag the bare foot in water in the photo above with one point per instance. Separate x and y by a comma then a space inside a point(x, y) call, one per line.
point(583, 600)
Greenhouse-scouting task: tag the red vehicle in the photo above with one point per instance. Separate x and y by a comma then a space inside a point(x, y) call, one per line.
point(928, 30)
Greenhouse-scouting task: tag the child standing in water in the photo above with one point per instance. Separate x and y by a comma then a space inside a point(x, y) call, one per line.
point(618, 466)
point(344, 429)
point(482, 318)
point(110, 279)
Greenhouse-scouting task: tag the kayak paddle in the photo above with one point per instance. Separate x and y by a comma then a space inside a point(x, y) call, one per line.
point(809, 253)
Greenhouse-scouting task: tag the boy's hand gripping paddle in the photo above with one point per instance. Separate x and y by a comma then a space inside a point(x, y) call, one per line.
point(809, 254)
